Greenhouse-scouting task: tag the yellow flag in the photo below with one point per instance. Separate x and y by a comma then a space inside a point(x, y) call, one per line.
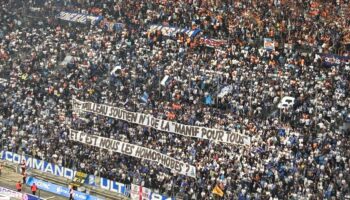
point(24, 76)
point(217, 190)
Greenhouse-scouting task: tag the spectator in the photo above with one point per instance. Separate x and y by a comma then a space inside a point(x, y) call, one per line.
point(23, 167)
point(71, 193)
point(24, 177)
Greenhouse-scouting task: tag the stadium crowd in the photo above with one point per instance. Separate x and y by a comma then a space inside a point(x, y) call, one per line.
point(296, 152)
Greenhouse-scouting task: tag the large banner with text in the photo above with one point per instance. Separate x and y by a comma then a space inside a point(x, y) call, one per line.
point(134, 151)
point(162, 125)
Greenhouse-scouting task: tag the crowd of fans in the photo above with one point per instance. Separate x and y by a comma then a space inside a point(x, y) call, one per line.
point(298, 152)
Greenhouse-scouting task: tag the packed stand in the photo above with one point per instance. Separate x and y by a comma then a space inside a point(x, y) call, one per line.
point(297, 152)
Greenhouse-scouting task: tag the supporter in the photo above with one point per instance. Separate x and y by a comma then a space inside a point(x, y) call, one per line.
point(71, 193)
point(300, 151)
point(24, 177)
point(23, 167)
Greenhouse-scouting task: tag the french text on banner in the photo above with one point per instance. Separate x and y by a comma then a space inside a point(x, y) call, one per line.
point(133, 150)
point(162, 125)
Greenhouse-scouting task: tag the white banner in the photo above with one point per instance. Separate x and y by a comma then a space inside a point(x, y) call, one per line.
point(77, 17)
point(143, 193)
point(10, 193)
point(224, 91)
point(134, 151)
point(162, 125)
point(172, 31)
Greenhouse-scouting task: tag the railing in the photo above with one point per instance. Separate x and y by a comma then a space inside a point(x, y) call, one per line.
point(62, 181)
point(12, 160)
point(101, 187)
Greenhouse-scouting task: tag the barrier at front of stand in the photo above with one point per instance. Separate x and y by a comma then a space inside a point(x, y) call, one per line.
point(7, 194)
point(59, 190)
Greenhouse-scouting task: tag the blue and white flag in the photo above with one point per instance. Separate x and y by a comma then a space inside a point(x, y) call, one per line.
point(144, 97)
point(225, 90)
point(208, 100)
point(165, 81)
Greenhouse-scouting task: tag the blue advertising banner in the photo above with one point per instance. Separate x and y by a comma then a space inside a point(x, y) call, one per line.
point(114, 186)
point(333, 59)
point(31, 197)
point(59, 190)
